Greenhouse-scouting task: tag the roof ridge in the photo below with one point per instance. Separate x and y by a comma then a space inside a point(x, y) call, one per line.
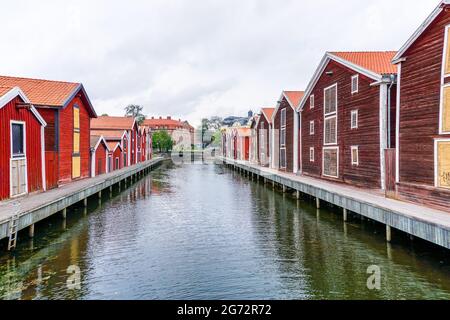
point(39, 79)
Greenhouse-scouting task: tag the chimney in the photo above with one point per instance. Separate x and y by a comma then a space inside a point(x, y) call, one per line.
point(169, 118)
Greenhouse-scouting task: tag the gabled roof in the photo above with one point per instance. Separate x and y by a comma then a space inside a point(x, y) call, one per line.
point(48, 93)
point(112, 145)
point(113, 123)
point(292, 97)
point(7, 94)
point(96, 140)
point(378, 62)
point(372, 64)
point(244, 132)
point(109, 134)
point(398, 57)
point(267, 113)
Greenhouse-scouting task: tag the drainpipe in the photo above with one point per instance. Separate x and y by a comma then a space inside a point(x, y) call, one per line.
point(392, 82)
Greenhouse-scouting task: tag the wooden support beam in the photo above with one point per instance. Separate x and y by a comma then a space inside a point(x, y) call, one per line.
point(85, 202)
point(64, 213)
point(345, 215)
point(317, 203)
point(388, 233)
point(31, 231)
point(297, 194)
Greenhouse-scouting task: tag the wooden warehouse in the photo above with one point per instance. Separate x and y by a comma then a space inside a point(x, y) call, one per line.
point(264, 129)
point(99, 156)
point(243, 143)
point(254, 139)
point(22, 157)
point(423, 127)
point(67, 110)
point(115, 155)
point(116, 136)
point(285, 123)
point(348, 119)
point(128, 124)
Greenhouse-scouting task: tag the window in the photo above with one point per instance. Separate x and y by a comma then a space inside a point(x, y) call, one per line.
point(447, 52)
point(330, 100)
point(355, 155)
point(445, 112)
point(18, 140)
point(76, 161)
point(330, 132)
point(124, 159)
point(443, 163)
point(283, 158)
point(117, 164)
point(283, 128)
point(311, 154)
point(311, 102)
point(355, 84)
point(331, 162)
point(311, 128)
point(262, 144)
point(354, 119)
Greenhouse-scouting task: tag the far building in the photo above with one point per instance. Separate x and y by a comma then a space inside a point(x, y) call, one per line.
point(182, 132)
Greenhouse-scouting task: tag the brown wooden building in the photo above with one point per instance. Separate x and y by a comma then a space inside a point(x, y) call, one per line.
point(423, 153)
point(263, 131)
point(285, 124)
point(347, 119)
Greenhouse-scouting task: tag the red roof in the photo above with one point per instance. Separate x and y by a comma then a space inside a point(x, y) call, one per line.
point(244, 132)
point(112, 145)
point(108, 134)
point(375, 61)
point(43, 92)
point(268, 112)
point(4, 90)
point(166, 122)
point(112, 123)
point(294, 97)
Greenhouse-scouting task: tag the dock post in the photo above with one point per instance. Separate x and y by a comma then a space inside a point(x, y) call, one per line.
point(317, 202)
point(110, 191)
point(298, 195)
point(388, 233)
point(273, 184)
point(31, 231)
point(100, 194)
point(85, 202)
point(64, 213)
point(345, 214)
point(284, 188)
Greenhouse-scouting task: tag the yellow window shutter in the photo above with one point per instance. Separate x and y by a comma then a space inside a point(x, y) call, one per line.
point(446, 110)
point(76, 142)
point(76, 167)
point(76, 118)
point(447, 56)
point(444, 164)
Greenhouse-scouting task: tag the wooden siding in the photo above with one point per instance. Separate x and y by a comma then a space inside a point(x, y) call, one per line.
point(289, 134)
point(33, 147)
point(100, 159)
point(366, 136)
point(66, 141)
point(117, 154)
point(419, 116)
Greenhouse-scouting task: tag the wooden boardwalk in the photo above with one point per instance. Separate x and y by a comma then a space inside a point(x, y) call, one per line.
point(422, 222)
point(36, 207)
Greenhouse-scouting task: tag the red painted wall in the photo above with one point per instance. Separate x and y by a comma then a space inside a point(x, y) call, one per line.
point(33, 147)
point(289, 135)
point(118, 154)
point(100, 159)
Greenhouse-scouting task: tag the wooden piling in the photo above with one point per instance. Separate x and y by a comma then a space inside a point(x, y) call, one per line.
point(31, 231)
point(388, 233)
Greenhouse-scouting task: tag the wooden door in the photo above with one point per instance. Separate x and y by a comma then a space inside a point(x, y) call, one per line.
point(390, 172)
point(18, 177)
point(51, 169)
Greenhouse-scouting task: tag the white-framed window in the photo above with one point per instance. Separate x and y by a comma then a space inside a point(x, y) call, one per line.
point(442, 163)
point(311, 102)
point(311, 154)
point(355, 84)
point(17, 139)
point(330, 115)
point(355, 155)
point(283, 128)
point(311, 128)
point(354, 119)
point(331, 162)
point(283, 158)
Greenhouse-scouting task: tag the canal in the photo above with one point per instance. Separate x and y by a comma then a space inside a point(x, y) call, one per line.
point(206, 232)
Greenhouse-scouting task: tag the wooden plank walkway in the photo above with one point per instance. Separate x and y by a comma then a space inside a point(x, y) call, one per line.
point(36, 207)
point(422, 222)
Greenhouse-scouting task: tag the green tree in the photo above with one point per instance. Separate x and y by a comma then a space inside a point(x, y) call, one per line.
point(162, 141)
point(135, 111)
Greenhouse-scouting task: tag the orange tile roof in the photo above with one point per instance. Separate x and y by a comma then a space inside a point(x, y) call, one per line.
point(112, 145)
point(375, 61)
point(244, 132)
point(112, 123)
point(268, 112)
point(42, 92)
point(4, 90)
point(108, 134)
point(163, 122)
point(294, 97)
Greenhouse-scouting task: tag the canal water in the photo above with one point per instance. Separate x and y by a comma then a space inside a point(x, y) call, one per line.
point(205, 232)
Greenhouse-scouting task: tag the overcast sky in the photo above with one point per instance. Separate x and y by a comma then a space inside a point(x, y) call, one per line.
point(193, 58)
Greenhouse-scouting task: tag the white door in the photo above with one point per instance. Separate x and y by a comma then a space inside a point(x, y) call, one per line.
point(18, 179)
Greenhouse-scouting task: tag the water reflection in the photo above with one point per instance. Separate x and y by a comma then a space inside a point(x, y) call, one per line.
point(205, 232)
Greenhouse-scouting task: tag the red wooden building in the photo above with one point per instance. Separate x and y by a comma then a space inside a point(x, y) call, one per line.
point(108, 124)
point(22, 156)
point(348, 119)
point(100, 160)
point(116, 136)
point(243, 143)
point(285, 123)
point(423, 126)
point(67, 110)
point(115, 155)
point(264, 136)
point(145, 144)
